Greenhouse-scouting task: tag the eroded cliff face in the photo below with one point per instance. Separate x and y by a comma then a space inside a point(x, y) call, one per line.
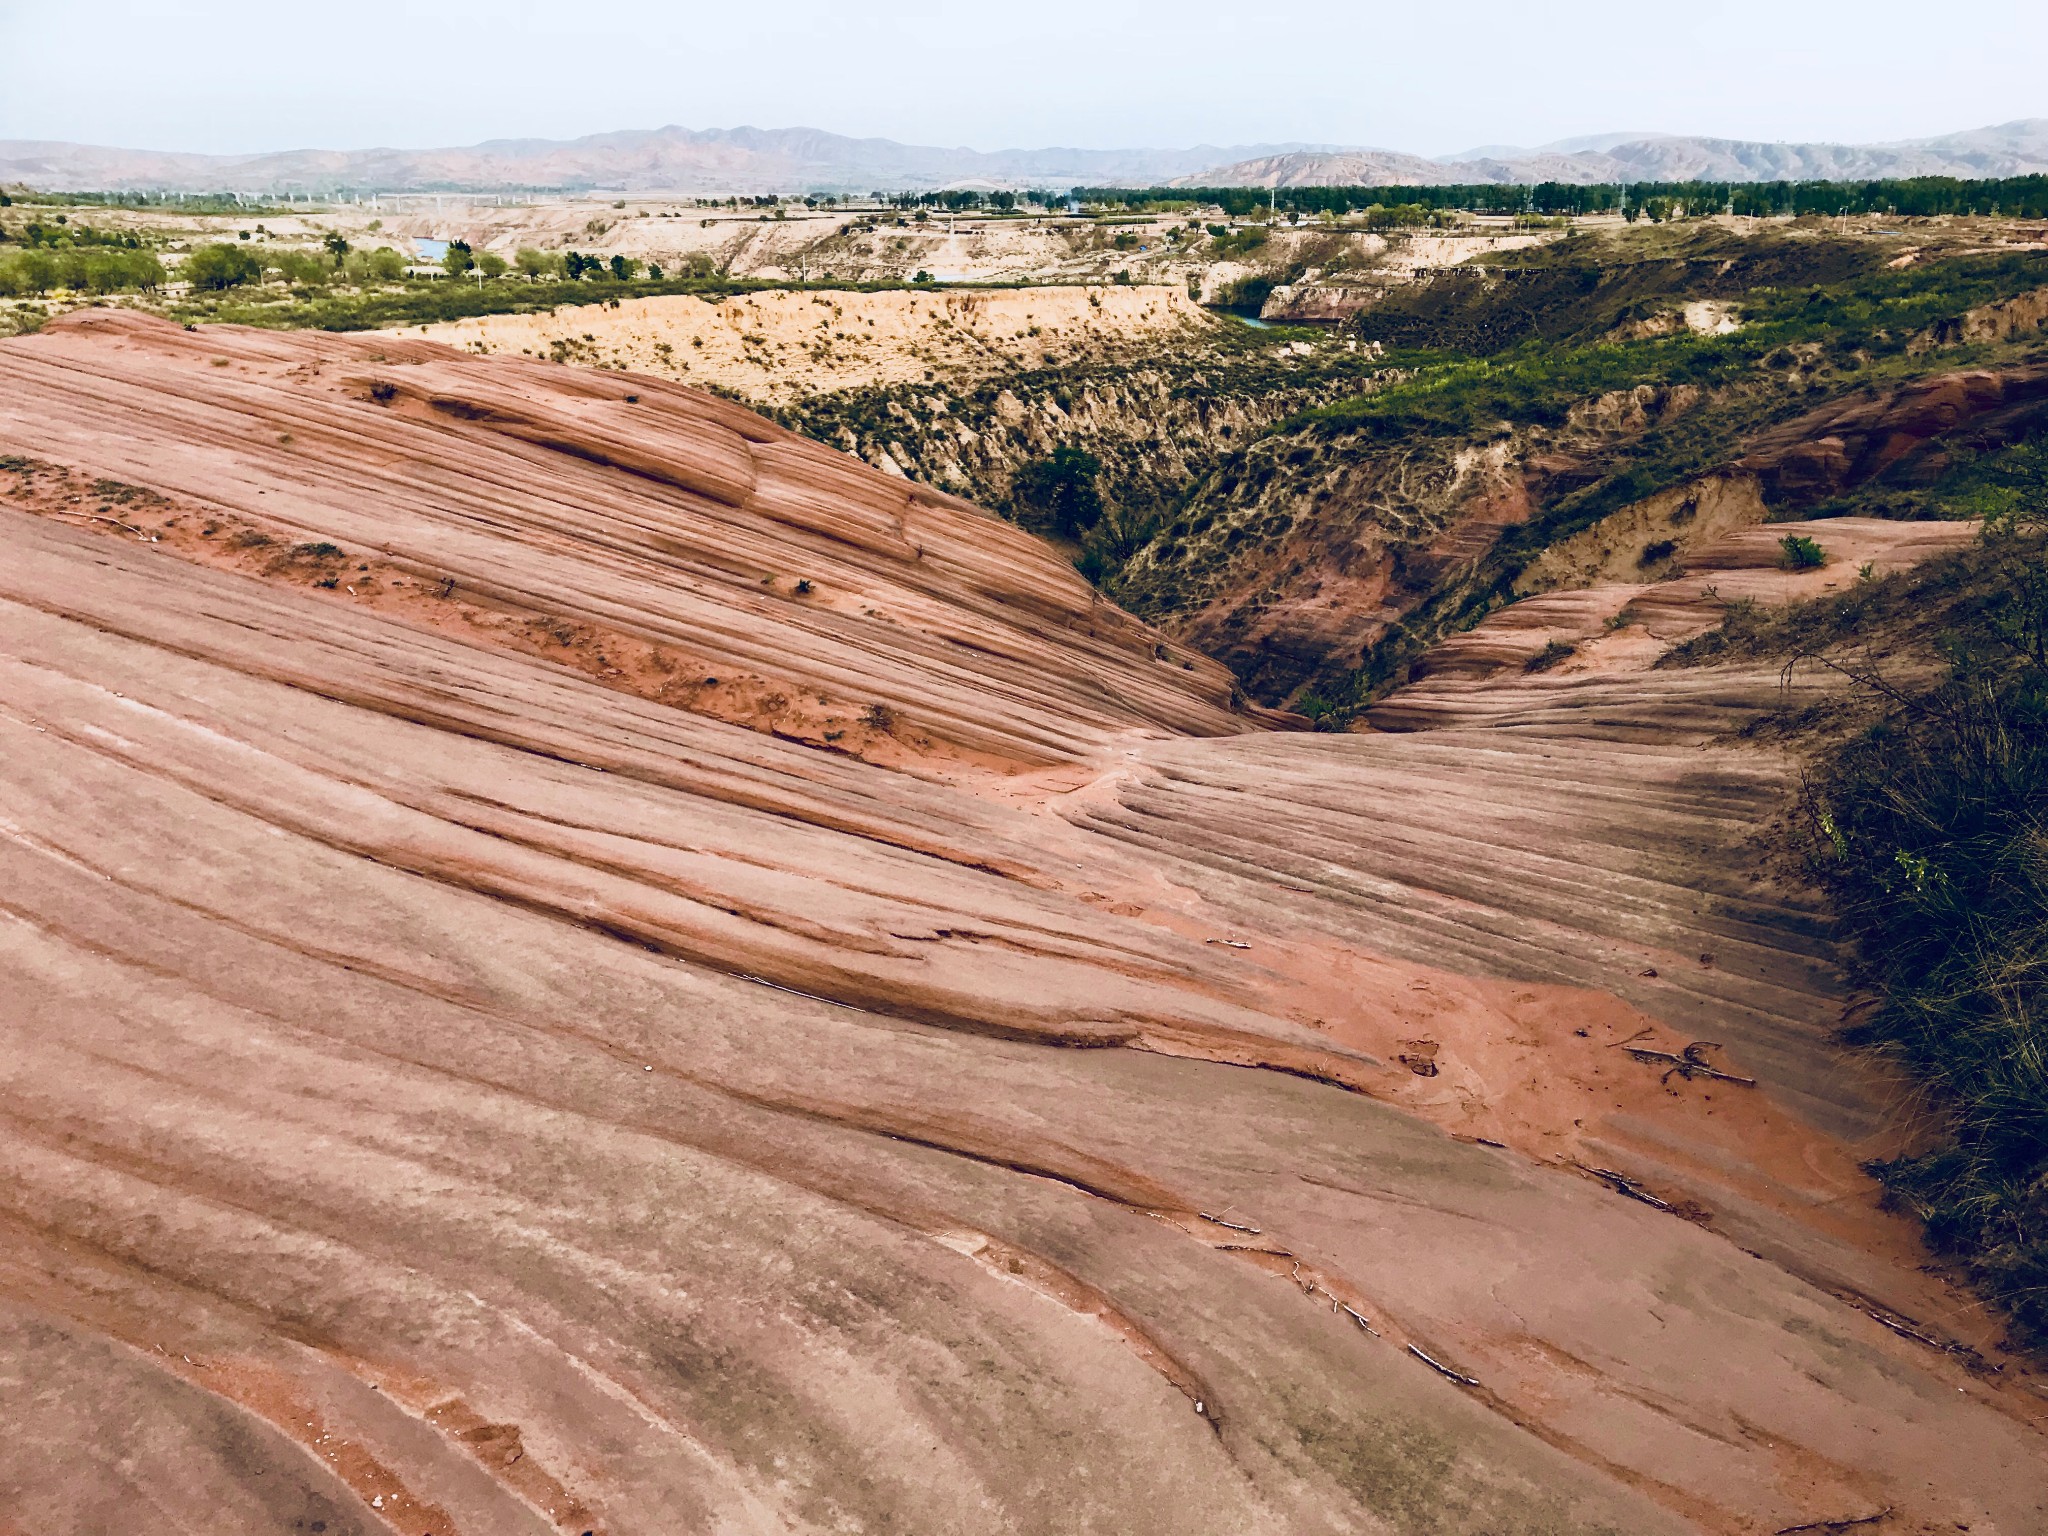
point(1157, 426)
point(1907, 435)
point(1544, 288)
point(962, 390)
point(1315, 559)
point(2015, 319)
point(776, 346)
point(1301, 555)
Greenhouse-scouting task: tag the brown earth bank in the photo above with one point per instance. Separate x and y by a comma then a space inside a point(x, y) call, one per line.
point(457, 1082)
point(1311, 552)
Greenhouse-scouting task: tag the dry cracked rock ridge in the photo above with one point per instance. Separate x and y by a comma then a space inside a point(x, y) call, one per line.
point(575, 962)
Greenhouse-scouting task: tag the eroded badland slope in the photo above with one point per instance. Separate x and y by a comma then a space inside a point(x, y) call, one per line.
point(575, 961)
point(1555, 420)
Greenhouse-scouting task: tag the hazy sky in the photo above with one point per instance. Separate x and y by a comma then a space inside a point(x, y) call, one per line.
point(1431, 76)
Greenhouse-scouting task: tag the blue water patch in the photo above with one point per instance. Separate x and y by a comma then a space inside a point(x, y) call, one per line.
point(430, 250)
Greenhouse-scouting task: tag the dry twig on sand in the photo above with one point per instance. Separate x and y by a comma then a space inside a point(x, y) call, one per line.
point(1357, 1316)
point(1441, 1369)
point(1846, 1523)
point(1690, 1063)
point(1622, 1184)
point(1971, 1360)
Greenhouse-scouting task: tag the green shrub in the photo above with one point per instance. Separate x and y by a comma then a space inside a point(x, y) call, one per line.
point(300, 267)
point(2000, 485)
point(382, 265)
point(1315, 708)
point(1247, 295)
point(218, 267)
point(1242, 243)
point(26, 272)
point(1796, 552)
point(91, 269)
point(1062, 490)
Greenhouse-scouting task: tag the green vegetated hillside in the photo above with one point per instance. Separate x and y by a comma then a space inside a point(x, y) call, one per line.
point(1554, 396)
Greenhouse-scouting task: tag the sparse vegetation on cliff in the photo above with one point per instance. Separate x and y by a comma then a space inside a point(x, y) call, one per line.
point(1928, 830)
point(1438, 490)
point(1155, 425)
point(1923, 817)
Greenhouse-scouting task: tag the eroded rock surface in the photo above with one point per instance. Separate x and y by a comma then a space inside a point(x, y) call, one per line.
point(456, 1085)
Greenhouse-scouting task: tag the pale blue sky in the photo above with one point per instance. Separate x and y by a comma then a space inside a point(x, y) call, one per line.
point(1429, 76)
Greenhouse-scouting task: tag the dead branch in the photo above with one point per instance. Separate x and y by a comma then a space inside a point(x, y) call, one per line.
point(1622, 1184)
point(1356, 1316)
point(1970, 1358)
point(776, 986)
point(1911, 1333)
point(1835, 1525)
point(1690, 1063)
point(1441, 1369)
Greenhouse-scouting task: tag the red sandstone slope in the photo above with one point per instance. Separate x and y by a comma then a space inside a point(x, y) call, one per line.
point(666, 541)
point(452, 1085)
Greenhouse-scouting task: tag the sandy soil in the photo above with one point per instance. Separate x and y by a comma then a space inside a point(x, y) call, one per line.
point(451, 1089)
point(778, 345)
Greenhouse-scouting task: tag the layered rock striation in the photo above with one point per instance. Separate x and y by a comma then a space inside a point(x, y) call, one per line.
point(464, 1071)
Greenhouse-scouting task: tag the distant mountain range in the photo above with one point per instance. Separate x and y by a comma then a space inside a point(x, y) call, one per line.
point(724, 160)
point(764, 160)
point(2010, 149)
